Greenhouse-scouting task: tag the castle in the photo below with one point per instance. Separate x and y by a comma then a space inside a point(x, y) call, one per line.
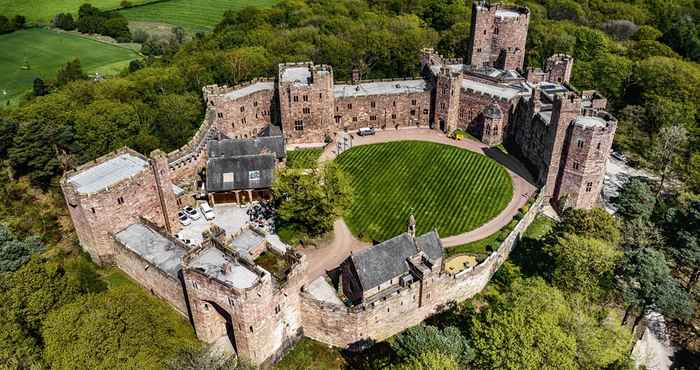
point(246, 290)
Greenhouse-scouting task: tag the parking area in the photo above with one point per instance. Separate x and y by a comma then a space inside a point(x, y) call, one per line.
point(229, 217)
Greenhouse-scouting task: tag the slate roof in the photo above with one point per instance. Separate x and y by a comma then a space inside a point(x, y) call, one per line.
point(387, 260)
point(153, 247)
point(240, 167)
point(241, 147)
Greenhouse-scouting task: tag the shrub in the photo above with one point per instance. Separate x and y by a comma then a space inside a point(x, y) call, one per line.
point(5, 25)
point(64, 21)
point(139, 36)
point(18, 22)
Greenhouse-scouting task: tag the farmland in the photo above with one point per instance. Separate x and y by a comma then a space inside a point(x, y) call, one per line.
point(451, 189)
point(42, 11)
point(46, 51)
point(303, 158)
point(194, 15)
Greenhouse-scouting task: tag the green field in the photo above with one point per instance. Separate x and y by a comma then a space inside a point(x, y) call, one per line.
point(46, 51)
point(194, 15)
point(303, 158)
point(451, 189)
point(44, 10)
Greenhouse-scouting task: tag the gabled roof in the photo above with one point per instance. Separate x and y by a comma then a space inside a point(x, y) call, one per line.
point(239, 147)
point(387, 260)
point(240, 167)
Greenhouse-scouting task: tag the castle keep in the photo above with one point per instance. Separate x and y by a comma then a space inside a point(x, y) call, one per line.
point(245, 290)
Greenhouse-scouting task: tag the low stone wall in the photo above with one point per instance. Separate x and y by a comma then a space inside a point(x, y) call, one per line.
point(343, 326)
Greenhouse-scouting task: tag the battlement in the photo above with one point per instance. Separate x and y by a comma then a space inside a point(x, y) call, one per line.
point(504, 12)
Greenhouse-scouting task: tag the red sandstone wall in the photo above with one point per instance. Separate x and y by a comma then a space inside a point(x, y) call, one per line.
point(150, 277)
point(245, 116)
point(389, 111)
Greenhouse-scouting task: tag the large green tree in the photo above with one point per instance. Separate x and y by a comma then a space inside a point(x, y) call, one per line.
point(426, 338)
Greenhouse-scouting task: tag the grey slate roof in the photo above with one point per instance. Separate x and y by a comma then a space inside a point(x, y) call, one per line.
point(153, 247)
point(239, 147)
point(110, 172)
point(240, 167)
point(387, 260)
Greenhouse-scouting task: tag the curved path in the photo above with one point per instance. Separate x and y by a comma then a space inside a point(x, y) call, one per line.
point(523, 184)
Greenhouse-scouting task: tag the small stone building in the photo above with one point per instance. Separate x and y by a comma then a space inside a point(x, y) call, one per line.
point(389, 265)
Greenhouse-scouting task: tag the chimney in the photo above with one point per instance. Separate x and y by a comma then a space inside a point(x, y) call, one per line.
point(355, 76)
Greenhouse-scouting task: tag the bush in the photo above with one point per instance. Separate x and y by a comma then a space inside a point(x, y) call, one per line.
point(117, 27)
point(139, 36)
point(64, 21)
point(5, 25)
point(125, 4)
point(18, 22)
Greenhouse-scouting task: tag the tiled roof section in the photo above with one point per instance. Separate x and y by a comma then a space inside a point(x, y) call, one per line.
point(380, 88)
point(383, 261)
point(431, 245)
point(239, 147)
point(153, 247)
point(110, 172)
point(220, 170)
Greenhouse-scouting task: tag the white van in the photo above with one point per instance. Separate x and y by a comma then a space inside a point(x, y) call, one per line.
point(207, 211)
point(365, 131)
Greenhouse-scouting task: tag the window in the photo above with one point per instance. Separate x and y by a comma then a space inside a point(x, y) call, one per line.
point(206, 307)
point(230, 301)
point(393, 103)
point(227, 177)
point(92, 209)
point(320, 96)
point(277, 309)
point(579, 143)
point(306, 98)
point(373, 104)
point(442, 106)
point(194, 284)
point(349, 106)
point(255, 103)
point(251, 328)
point(337, 119)
point(425, 111)
point(597, 146)
point(478, 50)
point(444, 92)
point(254, 177)
point(242, 109)
point(495, 32)
point(354, 119)
point(243, 120)
point(372, 118)
point(589, 187)
point(413, 102)
point(299, 125)
point(220, 115)
point(120, 200)
point(295, 98)
point(484, 32)
point(306, 110)
point(393, 116)
point(413, 112)
point(576, 165)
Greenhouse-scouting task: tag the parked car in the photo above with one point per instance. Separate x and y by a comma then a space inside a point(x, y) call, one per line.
point(207, 211)
point(191, 212)
point(184, 219)
point(619, 156)
point(366, 131)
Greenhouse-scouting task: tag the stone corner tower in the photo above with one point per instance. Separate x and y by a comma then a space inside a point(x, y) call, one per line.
point(492, 125)
point(447, 96)
point(498, 35)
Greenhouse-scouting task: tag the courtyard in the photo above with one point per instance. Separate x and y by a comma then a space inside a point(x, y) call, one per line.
point(229, 217)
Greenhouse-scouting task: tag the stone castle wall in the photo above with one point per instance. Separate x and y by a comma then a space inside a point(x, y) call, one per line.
point(244, 110)
point(498, 40)
point(343, 326)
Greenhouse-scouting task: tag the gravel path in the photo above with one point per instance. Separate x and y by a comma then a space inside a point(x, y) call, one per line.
point(523, 186)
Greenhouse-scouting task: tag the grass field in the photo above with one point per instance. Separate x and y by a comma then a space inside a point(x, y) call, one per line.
point(46, 51)
point(194, 15)
point(303, 158)
point(43, 11)
point(312, 355)
point(451, 189)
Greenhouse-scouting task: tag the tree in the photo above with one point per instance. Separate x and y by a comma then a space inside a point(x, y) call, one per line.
point(636, 200)
point(117, 27)
point(646, 283)
point(595, 223)
point(39, 87)
point(310, 202)
point(13, 252)
point(133, 330)
point(584, 265)
point(670, 142)
point(682, 225)
point(64, 21)
point(72, 71)
point(639, 233)
point(429, 361)
point(5, 25)
point(198, 357)
point(19, 22)
point(426, 338)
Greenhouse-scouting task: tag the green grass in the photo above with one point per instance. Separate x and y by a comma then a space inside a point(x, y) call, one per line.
point(43, 11)
point(451, 189)
point(194, 15)
point(311, 355)
point(540, 227)
point(303, 158)
point(47, 51)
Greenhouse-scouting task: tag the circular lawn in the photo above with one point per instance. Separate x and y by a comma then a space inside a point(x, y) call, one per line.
point(451, 189)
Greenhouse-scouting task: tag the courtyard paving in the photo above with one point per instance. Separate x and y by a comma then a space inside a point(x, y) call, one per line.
point(228, 216)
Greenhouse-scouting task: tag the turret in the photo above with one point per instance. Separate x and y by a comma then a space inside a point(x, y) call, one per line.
point(447, 95)
point(498, 35)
